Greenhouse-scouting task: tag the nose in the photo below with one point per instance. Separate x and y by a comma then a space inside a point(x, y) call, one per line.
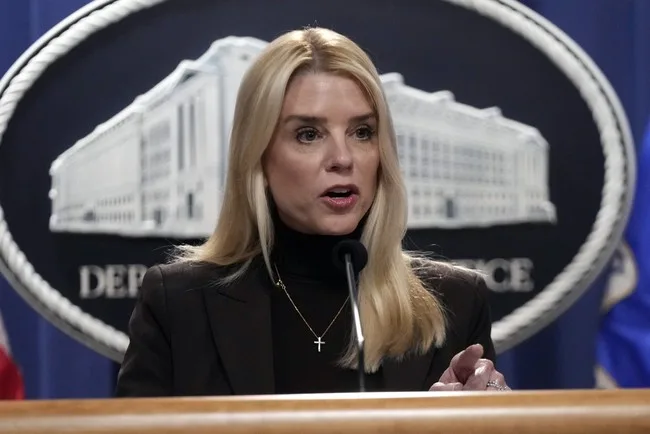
point(340, 154)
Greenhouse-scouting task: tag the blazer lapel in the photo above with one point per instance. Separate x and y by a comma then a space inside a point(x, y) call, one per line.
point(409, 374)
point(240, 318)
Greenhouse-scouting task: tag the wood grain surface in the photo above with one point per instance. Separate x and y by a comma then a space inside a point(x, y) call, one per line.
point(575, 411)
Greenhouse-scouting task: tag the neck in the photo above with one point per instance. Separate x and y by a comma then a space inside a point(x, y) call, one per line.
point(307, 256)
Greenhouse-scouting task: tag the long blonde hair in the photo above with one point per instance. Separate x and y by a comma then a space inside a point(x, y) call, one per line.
point(398, 313)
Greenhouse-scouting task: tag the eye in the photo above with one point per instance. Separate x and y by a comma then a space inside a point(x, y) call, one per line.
point(364, 133)
point(307, 135)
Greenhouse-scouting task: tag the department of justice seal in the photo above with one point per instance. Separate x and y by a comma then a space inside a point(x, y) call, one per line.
point(114, 127)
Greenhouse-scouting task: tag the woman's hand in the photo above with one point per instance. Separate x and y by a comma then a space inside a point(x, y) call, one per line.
point(467, 371)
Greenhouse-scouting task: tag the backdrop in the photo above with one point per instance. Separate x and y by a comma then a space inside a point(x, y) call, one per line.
point(616, 34)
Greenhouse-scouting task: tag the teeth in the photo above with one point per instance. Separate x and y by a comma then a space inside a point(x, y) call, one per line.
point(339, 190)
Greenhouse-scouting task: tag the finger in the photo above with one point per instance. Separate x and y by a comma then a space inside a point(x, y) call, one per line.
point(448, 376)
point(478, 380)
point(498, 378)
point(464, 363)
point(445, 387)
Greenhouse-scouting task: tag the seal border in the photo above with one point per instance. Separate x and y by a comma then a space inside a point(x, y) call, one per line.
point(517, 326)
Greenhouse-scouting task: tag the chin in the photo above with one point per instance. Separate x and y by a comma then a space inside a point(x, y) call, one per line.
point(339, 226)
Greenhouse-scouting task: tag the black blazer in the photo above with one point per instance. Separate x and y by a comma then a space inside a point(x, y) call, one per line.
point(189, 337)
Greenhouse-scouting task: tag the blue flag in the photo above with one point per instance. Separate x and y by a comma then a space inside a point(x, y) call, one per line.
point(623, 349)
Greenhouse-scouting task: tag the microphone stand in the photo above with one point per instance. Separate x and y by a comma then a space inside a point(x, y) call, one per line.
point(352, 288)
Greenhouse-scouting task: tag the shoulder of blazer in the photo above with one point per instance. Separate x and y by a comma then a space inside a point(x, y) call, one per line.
point(190, 275)
point(464, 295)
point(462, 290)
point(165, 285)
point(183, 279)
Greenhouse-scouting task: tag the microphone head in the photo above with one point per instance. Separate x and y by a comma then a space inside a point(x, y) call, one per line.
point(357, 251)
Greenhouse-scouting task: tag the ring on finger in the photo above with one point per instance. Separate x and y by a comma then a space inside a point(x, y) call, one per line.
point(496, 385)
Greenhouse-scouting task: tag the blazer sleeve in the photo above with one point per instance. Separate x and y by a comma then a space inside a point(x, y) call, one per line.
point(481, 323)
point(146, 369)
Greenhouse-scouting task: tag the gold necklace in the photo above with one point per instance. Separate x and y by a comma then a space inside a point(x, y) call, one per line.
point(319, 339)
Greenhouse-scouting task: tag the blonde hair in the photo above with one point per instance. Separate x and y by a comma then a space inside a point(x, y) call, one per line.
point(398, 313)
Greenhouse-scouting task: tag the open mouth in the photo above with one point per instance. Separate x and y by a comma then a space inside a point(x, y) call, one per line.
point(341, 192)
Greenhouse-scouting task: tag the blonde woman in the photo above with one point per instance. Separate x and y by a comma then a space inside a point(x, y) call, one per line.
point(260, 308)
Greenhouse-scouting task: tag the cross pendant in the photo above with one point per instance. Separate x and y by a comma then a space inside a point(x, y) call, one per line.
point(319, 342)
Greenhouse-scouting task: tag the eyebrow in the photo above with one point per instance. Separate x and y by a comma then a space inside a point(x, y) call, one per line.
point(321, 120)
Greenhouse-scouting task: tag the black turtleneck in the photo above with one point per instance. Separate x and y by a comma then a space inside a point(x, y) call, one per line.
point(318, 289)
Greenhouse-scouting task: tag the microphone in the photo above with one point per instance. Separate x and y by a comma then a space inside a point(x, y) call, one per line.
point(352, 256)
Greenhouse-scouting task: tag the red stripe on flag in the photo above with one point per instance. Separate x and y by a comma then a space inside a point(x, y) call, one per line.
point(11, 381)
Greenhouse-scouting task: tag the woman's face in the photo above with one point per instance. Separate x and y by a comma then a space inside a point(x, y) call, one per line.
point(321, 166)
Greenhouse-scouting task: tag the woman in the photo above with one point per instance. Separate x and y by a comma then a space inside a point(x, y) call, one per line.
point(260, 307)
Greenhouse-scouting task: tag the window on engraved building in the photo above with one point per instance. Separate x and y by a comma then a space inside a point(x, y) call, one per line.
point(425, 149)
point(180, 115)
point(426, 169)
point(192, 132)
point(413, 153)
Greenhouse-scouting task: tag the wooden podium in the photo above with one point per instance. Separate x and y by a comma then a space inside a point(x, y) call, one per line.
point(557, 412)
